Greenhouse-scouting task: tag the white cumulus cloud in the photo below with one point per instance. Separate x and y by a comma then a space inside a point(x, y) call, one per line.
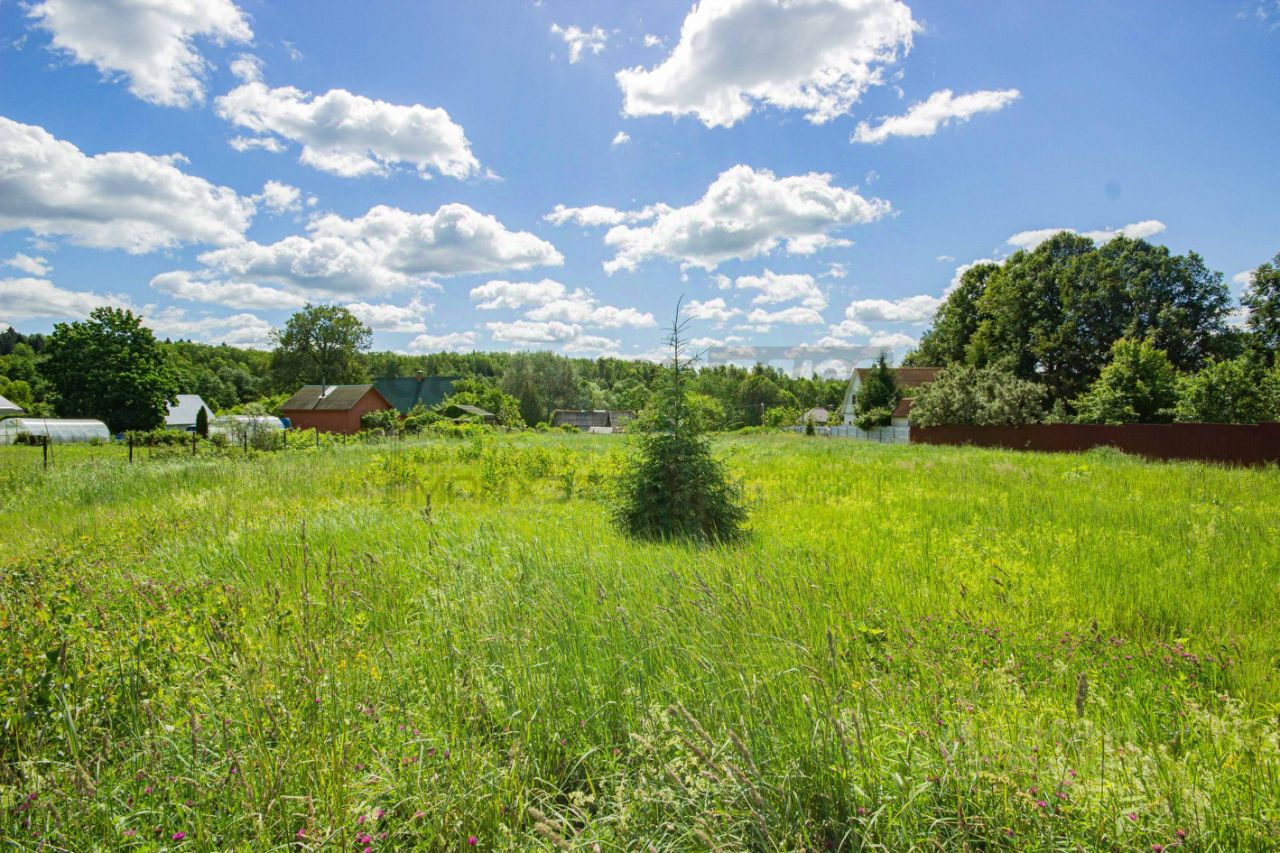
point(279, 198)
point(772, 288)
point(385, 317)
point(734, 55)
point(516, 294)
point(909, 309)
point(621, 138)
point(344, 133)
point(117, 200)
point(28, 264)
point(937, 111)
point(1136, 231)
point(714, 310)
point(452, 341)
point(151, 43)
point(745, 213)
point(32, 298)
point(200, 287)
point(579, 40)
point(385, 249)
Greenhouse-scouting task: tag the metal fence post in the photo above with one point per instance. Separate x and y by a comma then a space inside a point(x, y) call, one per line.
point(130, 451)
point(45, 445)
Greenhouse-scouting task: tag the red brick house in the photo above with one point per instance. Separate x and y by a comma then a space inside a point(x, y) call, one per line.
point(333, 408)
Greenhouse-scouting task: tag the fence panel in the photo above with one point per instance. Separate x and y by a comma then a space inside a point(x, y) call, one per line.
point(1233, 444)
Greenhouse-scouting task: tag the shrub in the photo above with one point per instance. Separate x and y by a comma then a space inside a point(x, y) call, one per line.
point(1139, 385)
point(672, 485)
point(869, 419)
point(879, 389)
point(809, 428)
point(1239, 391)
point(780, 417)
point(978, 396)
point(383, 420)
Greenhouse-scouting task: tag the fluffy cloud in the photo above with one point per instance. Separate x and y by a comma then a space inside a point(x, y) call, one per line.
point(775, 288)
point(1244, 279)
point(346, 134)
point(582, 308)
point(533, 332)
point(118, 200)
point(516, 294)
point(30, 298)
point(579, 40)
point(892, 340)
point(279, 198)
point(385, 249)
point(796, 315)
point(198, 287)
point(150, 43)
point(909, 309)
point(243, 330)
point(1137, 231)
point(850, 329)
point(621, 138)
point(549, 301)
point(455, 341)
point(36, 266)
point(733, 55)
point(924, 118)
point(744, 214)
point(384, 317)
point(590, 345)
point(714, 310)
point(596, 215)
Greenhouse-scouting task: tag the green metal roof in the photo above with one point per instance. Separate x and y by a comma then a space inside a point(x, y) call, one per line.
point(404, 392)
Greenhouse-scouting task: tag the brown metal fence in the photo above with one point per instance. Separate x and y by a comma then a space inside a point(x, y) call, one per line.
point(1232, 444)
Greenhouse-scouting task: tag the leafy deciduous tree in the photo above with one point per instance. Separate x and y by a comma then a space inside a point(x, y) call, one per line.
point(1139, 385)
point(320, 344)
point(110, 367)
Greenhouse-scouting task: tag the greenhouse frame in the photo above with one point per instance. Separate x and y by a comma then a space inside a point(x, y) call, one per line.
point(59, 430)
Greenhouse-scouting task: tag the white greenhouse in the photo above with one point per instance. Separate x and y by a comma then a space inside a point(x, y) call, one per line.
point(59, 431)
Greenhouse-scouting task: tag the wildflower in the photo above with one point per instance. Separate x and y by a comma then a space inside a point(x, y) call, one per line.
point(472, 841)
point(381, 813)
point(147, 790)
point(301, 833)
point(419, 814)
point(361, 819)
point(1133, 818)
point(130, 833)
point(1157, 848)
point(1042, 804)
point(178, 836)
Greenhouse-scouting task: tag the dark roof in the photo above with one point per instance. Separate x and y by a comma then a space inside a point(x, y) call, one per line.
point(903, 408)
point(328, 398)
point(907, 377)
point(587, 418)
point(474, 411)
point(404, 392)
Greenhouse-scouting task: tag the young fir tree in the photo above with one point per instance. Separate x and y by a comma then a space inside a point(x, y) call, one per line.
point(878, 396)
point(672, 485)
point(202, 422)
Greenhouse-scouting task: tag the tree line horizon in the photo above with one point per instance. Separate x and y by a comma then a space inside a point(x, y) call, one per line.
point(1050, 318)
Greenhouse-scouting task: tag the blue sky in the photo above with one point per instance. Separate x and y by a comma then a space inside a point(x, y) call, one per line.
point(482, 176)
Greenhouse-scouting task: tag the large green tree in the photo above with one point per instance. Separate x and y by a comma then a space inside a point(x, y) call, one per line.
point(1262, 298)
point(110, 367)
point(1051, 315)
point(320, 344)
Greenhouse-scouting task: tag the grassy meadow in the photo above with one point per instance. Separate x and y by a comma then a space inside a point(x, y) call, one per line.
point(444, 645)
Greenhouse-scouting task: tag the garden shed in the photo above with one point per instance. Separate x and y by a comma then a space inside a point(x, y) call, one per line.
point(58, 430)
point(333, 408)
point(589, 420)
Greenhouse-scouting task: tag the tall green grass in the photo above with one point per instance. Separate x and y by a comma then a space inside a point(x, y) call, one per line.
point(417, 645)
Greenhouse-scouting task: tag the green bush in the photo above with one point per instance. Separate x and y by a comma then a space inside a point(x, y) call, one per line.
point(1240, 391)
point(869, 419)
point(977, 396)
point(1139, 385)
point(672, 485)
